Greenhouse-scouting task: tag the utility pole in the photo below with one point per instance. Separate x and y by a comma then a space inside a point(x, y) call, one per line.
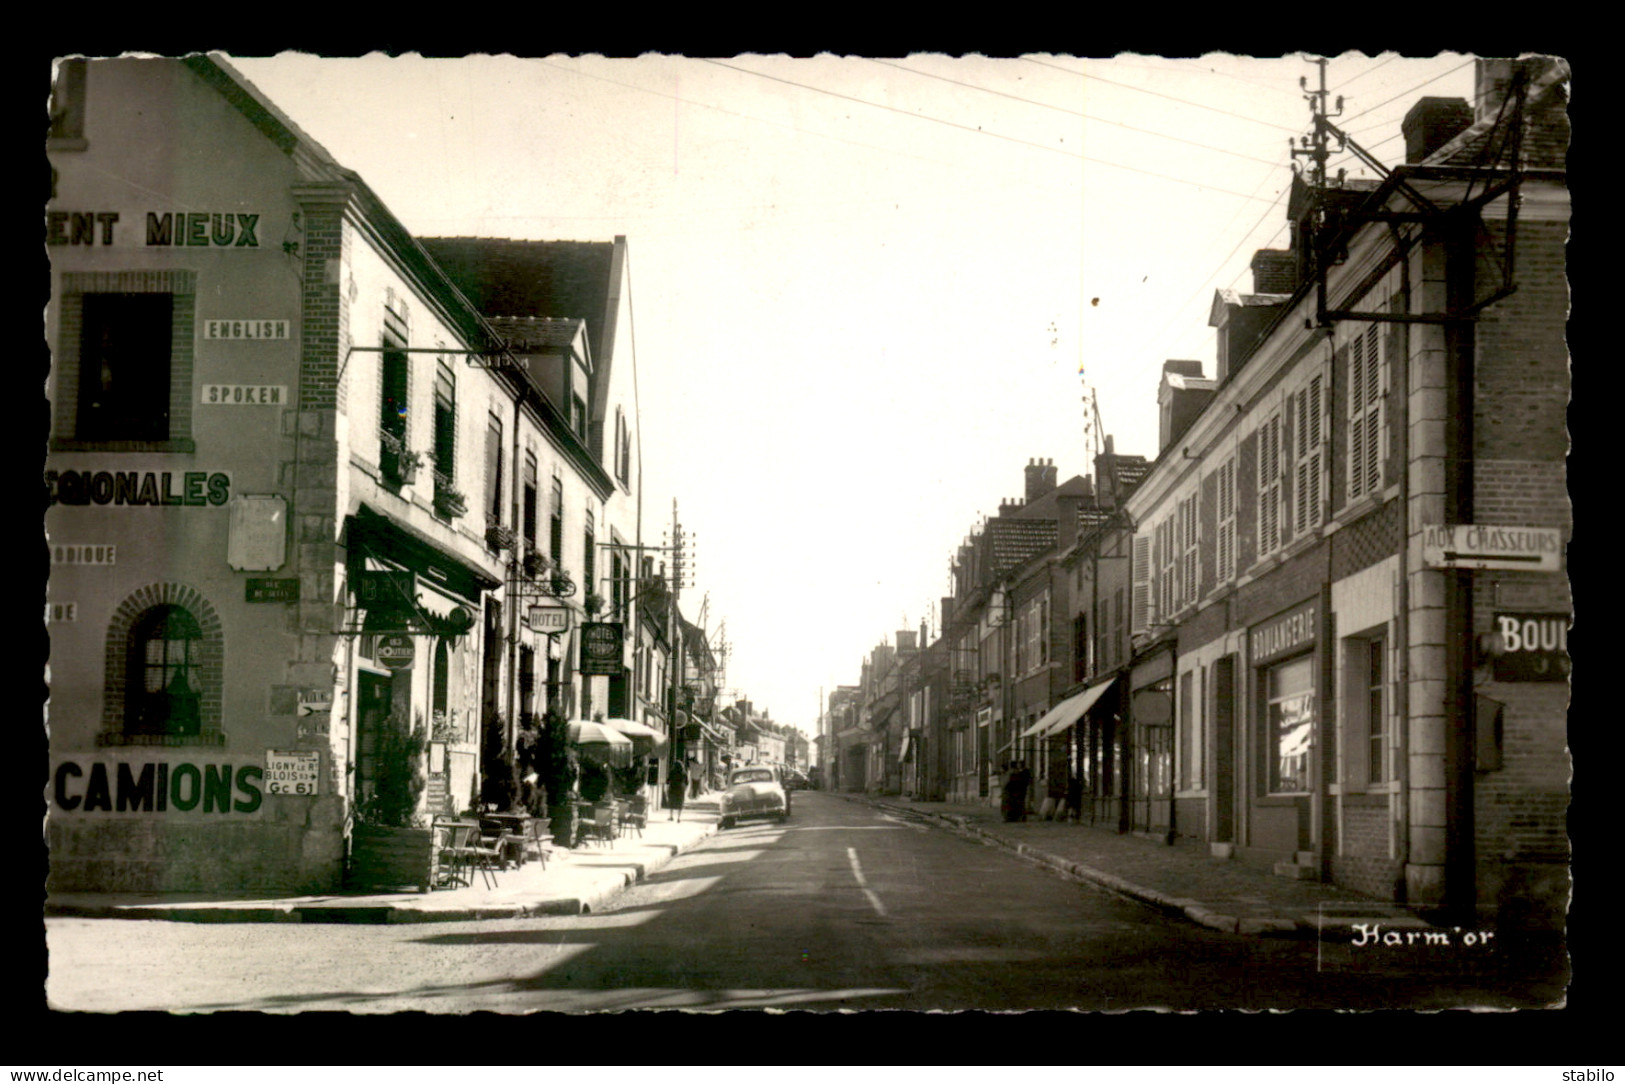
point(678, 750)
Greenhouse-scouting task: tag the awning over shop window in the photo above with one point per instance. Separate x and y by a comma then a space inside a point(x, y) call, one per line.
point(1067, 712)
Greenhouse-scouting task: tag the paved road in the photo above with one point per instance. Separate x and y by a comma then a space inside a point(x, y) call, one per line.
point(842, 908)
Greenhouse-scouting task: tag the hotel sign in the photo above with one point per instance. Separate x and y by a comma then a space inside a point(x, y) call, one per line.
point(1285, 634)
point(549, 619)
point(602, 648)
point(1492, 546)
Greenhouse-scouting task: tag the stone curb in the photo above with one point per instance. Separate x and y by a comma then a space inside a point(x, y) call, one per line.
point(608, 883)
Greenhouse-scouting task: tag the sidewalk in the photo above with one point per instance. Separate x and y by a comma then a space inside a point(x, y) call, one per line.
point(573, 883)
point(1181, 879)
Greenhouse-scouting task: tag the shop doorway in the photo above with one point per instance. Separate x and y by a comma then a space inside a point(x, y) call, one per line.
point(375, 697)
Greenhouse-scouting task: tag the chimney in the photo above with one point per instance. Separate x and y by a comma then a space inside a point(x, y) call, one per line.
point(1433, 122)
point(1180, 398)
point(905, 640)
point(1009, 506)
point(1275, 271)
point(1040, 478)
point(1066, 528)
point(1106, 475)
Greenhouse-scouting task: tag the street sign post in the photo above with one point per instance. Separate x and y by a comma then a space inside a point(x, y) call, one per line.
point(1492, 546)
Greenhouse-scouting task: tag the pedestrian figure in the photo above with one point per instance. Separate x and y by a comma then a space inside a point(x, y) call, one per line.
point(1074, 798)
point(1007, 773)
point(676, 790)
point(1020, 780)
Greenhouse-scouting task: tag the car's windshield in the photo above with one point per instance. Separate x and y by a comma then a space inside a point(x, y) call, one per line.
point(753, 775)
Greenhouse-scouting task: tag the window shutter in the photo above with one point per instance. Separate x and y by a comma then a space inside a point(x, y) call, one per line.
point(1140, 615)
point(1373, 403)
point(1356, 417)
point(1269, 488)
point(1227, 522)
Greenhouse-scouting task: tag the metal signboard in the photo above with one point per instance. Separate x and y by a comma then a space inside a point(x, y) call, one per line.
point(1533, 647)
point(602, 649)
point(1492, 546)
point(396, 651)
point(548, 619)
point(292, 772)
point(262, 590)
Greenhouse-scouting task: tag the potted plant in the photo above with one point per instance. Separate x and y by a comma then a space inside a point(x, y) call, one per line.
point(407, 465)
point(398, 463)
point(391, 845)
point(593, 603)
point(499, 537)
point(535, 565)
point(559, 769)
point(449, 501)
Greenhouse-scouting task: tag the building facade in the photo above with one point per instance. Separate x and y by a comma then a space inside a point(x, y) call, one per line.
point(295, 491)
point(1349, 605)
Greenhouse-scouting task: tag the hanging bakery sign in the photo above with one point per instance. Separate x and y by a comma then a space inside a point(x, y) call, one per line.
point(1531, 647)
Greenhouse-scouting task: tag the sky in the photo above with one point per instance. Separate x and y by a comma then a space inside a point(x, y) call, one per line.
point(866, 292)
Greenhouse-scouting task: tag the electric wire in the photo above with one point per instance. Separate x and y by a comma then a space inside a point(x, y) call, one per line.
point(1159, 94)
point(1079, 113)
point(983, 131)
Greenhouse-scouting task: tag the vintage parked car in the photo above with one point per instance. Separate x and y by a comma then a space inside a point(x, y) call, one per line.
point(795, 779)
point(753, 792)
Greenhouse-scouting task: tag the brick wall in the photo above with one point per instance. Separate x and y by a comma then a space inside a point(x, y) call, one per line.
point(1522, 360)
point(1296, 579)
point(1371, 538)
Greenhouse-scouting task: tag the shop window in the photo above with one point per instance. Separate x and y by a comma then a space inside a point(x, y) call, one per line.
point(442, 678)
point(1190, 730)
point(1365, 414)
point(163, 694)
point(1369, 744)
point(1289, 718)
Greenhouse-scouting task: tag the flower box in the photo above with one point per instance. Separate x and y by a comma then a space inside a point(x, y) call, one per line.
point(391, 859)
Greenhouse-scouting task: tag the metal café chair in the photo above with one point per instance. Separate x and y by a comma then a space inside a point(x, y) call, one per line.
point(538, 842)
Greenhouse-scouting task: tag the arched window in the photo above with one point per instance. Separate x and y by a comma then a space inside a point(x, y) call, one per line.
point(162, 694)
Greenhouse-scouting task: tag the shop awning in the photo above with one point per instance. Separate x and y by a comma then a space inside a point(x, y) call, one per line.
point(1067, 712)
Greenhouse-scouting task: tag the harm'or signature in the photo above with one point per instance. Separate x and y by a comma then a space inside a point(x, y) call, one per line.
point(1372, 934)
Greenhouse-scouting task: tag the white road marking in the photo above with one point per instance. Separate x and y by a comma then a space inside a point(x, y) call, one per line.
point(905, 824)
point(857, 872)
